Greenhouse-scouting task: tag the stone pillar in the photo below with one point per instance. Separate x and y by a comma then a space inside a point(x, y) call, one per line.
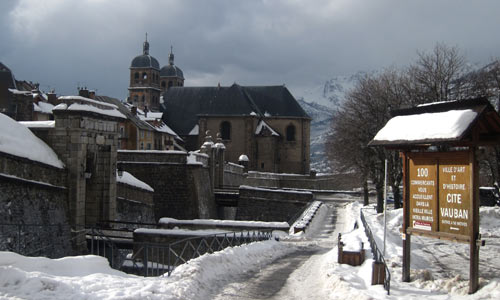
point(209, 149)
point(220, 150)
point(243, 161)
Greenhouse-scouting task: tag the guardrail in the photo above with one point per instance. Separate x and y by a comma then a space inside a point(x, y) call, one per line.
point(377, 255)
point(149, 259)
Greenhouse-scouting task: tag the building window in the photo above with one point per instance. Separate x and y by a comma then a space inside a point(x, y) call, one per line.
point(262, 165)
point(149, 146)
point(163, 84)
point(144, 75)
point(142, 146)
point(142, 98)
point(122, 131)
point(136, 75)
point(225, 130)
point(290, 133)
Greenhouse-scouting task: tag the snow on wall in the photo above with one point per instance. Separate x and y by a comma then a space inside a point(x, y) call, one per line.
point(18, 140)
point(129, 179)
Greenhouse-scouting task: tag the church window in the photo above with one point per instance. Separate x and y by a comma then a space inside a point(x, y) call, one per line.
point(225, 130)
point(144, 75)
point(290, 133)
point(163, 84)
point(142, 98)
point(136, 75)
point(149, 146)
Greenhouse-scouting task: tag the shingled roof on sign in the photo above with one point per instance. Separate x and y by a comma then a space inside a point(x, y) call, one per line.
point(183, 105)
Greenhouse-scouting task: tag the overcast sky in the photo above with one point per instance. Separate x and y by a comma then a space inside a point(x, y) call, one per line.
point(63, 43)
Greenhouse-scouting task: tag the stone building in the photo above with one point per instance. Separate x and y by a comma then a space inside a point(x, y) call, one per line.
point(265, 123)
point(148, 81)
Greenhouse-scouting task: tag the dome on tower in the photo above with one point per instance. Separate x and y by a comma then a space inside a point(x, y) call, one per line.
point(145, 60)
point(171, 70)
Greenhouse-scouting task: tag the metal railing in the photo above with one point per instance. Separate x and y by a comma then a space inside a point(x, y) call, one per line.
point(377, 255)
point(154, 259)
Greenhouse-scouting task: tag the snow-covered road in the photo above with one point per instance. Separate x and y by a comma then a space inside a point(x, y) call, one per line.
point(293, 276)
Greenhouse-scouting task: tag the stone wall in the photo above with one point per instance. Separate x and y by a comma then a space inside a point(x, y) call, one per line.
point(182, 191)
point(86, 142)
point(308, 182)
point(233, 175)
point(271, 205)
point(33, 208)
point(134, 204)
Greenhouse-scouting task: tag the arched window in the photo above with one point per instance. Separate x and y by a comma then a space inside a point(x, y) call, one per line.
point(225, 130)
point(136, 75)
point(170, 83)
point(144, 75)
point(290, 133)
point(163, 84)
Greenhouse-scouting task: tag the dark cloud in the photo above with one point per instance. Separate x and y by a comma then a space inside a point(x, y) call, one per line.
point(300, 43)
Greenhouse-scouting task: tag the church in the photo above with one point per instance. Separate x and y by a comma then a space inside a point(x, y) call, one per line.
point(265, 124)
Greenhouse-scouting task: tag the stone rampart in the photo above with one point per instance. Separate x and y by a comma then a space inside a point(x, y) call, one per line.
point(134, 204)
point(270, 205)
point(233, 175)
point(182, 190)
point(307, 182)
point(33, 208)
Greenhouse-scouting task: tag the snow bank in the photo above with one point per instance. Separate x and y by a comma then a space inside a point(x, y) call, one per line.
point(90, 277)
point(17, 140)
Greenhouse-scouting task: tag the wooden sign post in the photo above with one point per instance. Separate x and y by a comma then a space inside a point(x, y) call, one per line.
point(441, 201)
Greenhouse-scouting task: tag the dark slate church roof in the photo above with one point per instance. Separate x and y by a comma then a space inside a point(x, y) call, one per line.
point(145, 61)
point(171, 71)
point(183, 105)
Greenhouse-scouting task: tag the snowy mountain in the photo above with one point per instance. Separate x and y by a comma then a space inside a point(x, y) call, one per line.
point(320, 102)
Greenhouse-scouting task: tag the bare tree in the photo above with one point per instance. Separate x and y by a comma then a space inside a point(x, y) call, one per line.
point(437, 76)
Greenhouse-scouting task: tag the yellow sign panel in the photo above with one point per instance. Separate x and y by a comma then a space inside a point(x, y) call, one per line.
point(440, 192)
point(454, 197)
point(423, 202)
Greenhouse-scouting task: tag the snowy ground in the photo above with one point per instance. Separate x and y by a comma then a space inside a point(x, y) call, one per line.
point(439, 269)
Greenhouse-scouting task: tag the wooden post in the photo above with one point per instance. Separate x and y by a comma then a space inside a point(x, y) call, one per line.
point(406, 220)
point(474, 231)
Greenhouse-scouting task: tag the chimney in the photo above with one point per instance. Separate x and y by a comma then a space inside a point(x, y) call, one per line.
point(83, 92)
point(133, 110)
point(52, 98)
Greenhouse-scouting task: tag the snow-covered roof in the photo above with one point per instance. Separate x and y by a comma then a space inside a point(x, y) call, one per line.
point(39, 124)
point(17, 92)
point(43, 107)
point(89, 108)
point(263, 125)
point(195, 130)
point(443, 122)
point(87, 100)
point(16, 139)
point(129, 179)
point(428, 126)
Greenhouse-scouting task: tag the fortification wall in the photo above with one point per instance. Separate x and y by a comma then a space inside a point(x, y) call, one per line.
point(269, 205)
point(33, 208)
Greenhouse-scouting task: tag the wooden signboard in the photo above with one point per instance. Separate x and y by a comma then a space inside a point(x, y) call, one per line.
point(442, 201)
point(440, 194)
